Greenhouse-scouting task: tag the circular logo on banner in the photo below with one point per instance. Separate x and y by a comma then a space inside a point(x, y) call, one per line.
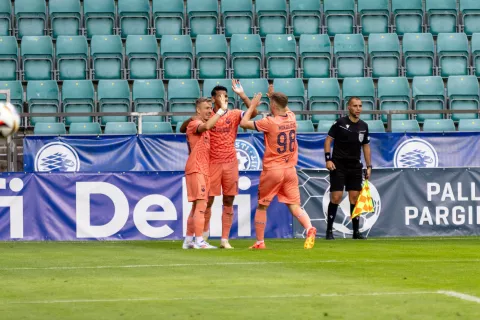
point(57, 157)
point(247, 155)
point(415, 153)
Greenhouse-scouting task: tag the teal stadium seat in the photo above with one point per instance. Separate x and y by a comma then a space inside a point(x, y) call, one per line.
point(237, 17)
point(142, 57)
point(72, 58)
point(405, 126)
point(212, 56)
point(463, 94)
point(127, 128)
point(177, 57)
point(469, 125)
point(375, 126)
point(78, 128)
point(281, 56)
point(178, 126)
point(440, 125)
point(349, 50)
point(107, 57)
point(315, 56)
point(246, 55)
point(133, 17)
point(418, 54)
point(428, 94)
point(44, 128)
point(202, 17)
point(324, 95)
point(323, 126)
point(305, 17)
point(42, 97)
point(168, 17)
point(407, 16)
point(470, 10)
point(16, 93)
point(99, 17)
point(295, 91)
point(442, 16)
point(149, 96)
point(31, 17)
point(182, 95)
point(384, 55)
point(78, 96)
point(5, 18)
point(305, 126)
point(113, 96)
point(394, 94)
point(253, 86)
point(65, 17)
point(362, 88)
point(271, 17)
point(476, 53)
point(9, 60)
point(209, 84)
point(339, 16)
point(156, 127)
point(37, 58)
point(374, 16)
point(452, 53)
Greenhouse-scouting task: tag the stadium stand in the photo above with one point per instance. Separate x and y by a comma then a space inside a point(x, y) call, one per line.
point(323, 95)
point(149, 96)
point(304, 126)
point(71, 58)
point(452, 53)
point(65, 17)
point(237, 17)
point(43, 97)
point(469, 125)
point(142, 56)
point(99, 17)
point(78, 96)
point(246, 56)
point(463, 93)
point(37, 58)
point(384, 55)
point(295, 91)
point(271, 17)
point(212, 56)
point(202, 17)
point(349, 50)
point(78, 128)
point(133, 17)
point(120, 128)
point(305, 17)
point(157, 127)
point(107, 57)
point(113, 96)
point(168, 18)
point(394, 94)
point(43, 128)
point(315, 56)
point(30, 17)
point(16, 93)
point(470, 11)
point(418, 54)
point(440, 125)
point(428, 94)
point(375, 126)
point(177, 56)
point(5, 18)
point(280, 56)
point(339, 16)
point(407, 16)
point(374, 16)
point(9, 59)
point(182, 95)
point(405, 126)
point(441, 15)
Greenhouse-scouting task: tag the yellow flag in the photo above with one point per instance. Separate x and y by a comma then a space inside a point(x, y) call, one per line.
point(364, 202)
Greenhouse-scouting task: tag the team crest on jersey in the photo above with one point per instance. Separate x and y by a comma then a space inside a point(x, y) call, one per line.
point(228, 121)
point(247, 155)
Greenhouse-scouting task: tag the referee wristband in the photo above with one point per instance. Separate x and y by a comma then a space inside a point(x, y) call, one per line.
point(328, 157)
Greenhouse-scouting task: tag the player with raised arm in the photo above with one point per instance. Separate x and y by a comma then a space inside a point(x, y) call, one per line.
point(279, 175)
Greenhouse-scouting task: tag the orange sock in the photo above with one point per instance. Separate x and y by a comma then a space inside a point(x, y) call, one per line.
point(260, 223)
point(227, 220)
point(190, 223)
point(302, 217)
point(208, 215)
point(199, 218)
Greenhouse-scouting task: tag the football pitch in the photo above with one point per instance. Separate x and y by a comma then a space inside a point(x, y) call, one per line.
point(423, 278)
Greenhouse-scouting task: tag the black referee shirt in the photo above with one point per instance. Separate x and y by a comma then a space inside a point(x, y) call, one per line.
point(349, 138)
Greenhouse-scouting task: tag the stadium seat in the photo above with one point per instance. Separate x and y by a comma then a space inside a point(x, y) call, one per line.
point(324, 126)
point(45, 128)
point(469, 125)
point(405, 126)
point(440, 125)
point(305, 126)
point(463, 94)
point(72, 58)
point(177, 57)
point(315, 56)
point(271, 17)
point(470, 10)
point(113, 96)
point(246, 55)
point(16, 93)
point(452, 53)
point(149, 96)
point(305, 17)
point(181, 96)
point(65, 16)
point(407, 16)
point(168, 17)
point(78, 96)
point(237, 17)
point(37, 58)
point(349, 50)
point(212, 56)
point(133, 17)
point(156, 127)
point(31, 17)
point(394, 94)
point(418, 54)
point(99, 16)
point(281, 56)
point(5, 18)
point(428, 94)
point(476, 53)
point(324, 95)
point(42, 97)
point(339, 16)
point(142, 57)
point(252, 86)
point(374, 16)
point(85, 128)
point(9, 61)
point(209, 84)
point(178, 126)
point(295, 91)
point(121, 128)
point(375, 126)
point(442, 16)
point(384, 55)
point(362, 88)
point(107, 57)
point(202, 17)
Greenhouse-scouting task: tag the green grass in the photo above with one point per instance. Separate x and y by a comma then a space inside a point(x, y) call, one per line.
point(343, 279)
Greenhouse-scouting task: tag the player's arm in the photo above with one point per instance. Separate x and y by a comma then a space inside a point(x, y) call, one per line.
point(246, 123)
point(367, 154)
point(213, 120)
point(183, 128)
point(328, 147)
point(238, 89)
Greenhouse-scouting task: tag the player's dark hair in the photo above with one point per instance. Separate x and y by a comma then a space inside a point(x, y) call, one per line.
point(218, 88)
point(351, 99)
point(280, 99)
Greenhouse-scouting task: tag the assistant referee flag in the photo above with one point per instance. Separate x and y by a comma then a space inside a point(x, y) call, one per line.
point(364, 202)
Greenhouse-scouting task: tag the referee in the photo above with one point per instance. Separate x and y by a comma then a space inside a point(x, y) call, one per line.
point(345, 166)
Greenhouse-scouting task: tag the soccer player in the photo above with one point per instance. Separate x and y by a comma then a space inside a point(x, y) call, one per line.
point(197, 172)
point(279, 175)
point(350, 134)
point(223, 159)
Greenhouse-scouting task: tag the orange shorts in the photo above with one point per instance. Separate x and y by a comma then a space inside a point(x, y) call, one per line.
point(224, 179)
point(279, 182)
point(198, 185)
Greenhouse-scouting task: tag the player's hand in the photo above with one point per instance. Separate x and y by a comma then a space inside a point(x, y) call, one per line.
point(330, 165)
point(224, 103)
point(255, 101)
point(368, 173)
point(270, 90)
point(237, 87)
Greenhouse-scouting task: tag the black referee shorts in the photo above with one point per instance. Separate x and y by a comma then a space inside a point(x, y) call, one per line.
point(348, 175)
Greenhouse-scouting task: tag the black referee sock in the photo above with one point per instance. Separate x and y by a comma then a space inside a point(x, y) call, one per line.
point(355, 221)
point(332, 213)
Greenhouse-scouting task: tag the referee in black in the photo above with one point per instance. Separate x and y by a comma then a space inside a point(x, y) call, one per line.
point(350, 135)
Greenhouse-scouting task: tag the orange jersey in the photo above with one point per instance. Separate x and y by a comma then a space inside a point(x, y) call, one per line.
point(281, 149)
point(199, 149)
point(223, 137)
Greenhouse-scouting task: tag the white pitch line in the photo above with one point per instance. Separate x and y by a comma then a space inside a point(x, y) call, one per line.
point(460, 295)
